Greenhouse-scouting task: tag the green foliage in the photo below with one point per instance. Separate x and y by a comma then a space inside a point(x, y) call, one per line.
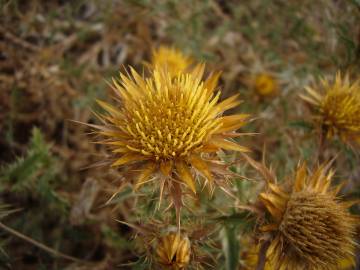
point(34, 174)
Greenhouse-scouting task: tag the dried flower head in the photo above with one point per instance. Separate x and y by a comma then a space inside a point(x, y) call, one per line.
point(171, 59)
point(338, 107)
point(169, 129)
point(265, 85)
point(310, 227)
point(173, 251)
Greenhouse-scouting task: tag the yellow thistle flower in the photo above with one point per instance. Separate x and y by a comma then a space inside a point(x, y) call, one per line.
point(310, 228)
point(173, 251)
point(169, 128)
point(265, 85)
point(171, 59)
point(338, 107)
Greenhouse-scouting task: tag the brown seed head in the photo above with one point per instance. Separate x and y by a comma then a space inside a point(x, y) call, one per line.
point(311, 228)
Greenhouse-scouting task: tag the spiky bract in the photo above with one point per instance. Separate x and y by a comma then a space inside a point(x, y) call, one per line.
point(310, 227)
point(338, 106)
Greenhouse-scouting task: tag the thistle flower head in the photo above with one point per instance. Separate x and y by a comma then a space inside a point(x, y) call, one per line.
point(338, 107)
point(173, 251)
point(167, 128)
point(265, 85)
point(311, 228)
point(171, 59)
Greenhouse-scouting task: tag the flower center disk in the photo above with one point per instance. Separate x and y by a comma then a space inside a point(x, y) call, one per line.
point(170, 120)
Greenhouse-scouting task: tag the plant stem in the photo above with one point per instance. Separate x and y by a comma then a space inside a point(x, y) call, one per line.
point(262, 255)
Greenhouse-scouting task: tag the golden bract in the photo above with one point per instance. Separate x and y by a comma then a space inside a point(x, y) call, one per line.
point(171, 59)
point(338, 107)
point(173, 251)
point(169, 126)
point(311, 228)
point(251, 252)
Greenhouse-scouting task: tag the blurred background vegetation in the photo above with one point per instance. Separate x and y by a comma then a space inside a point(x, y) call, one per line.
point(55, 58)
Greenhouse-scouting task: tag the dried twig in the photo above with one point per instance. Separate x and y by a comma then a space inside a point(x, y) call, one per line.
point(40, 245)
point(18, 41)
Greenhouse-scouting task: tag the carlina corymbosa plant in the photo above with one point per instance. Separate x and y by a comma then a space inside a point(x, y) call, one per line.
point(167, 130)
point(307, 225)
point(338, 107)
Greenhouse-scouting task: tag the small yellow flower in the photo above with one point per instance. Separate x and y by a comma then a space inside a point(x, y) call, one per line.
point(173, 251)
point(338, 107)
point(171, 59)
point(265, 85)
point(310, 227)
point(169, 129)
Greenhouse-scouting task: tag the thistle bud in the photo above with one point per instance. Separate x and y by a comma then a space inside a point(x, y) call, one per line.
point(173, 251)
